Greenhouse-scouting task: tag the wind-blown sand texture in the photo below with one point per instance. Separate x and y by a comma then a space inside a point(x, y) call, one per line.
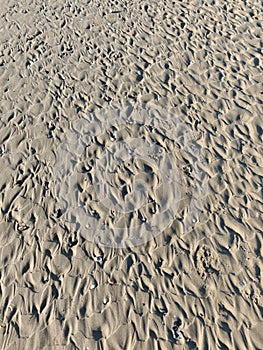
point(201, 61)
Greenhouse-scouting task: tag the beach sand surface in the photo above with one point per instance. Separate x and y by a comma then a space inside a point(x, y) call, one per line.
point(65, 64)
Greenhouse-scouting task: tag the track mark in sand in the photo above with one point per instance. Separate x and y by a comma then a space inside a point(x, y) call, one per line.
point(120, 175)
point(206, 261)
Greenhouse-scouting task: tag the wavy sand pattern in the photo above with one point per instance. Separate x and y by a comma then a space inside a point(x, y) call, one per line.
point(201, 61)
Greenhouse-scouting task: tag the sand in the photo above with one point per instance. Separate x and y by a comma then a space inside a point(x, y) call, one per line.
point(151, 112)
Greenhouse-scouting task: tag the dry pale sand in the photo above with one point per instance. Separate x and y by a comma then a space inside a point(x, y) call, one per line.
point(200, 288)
